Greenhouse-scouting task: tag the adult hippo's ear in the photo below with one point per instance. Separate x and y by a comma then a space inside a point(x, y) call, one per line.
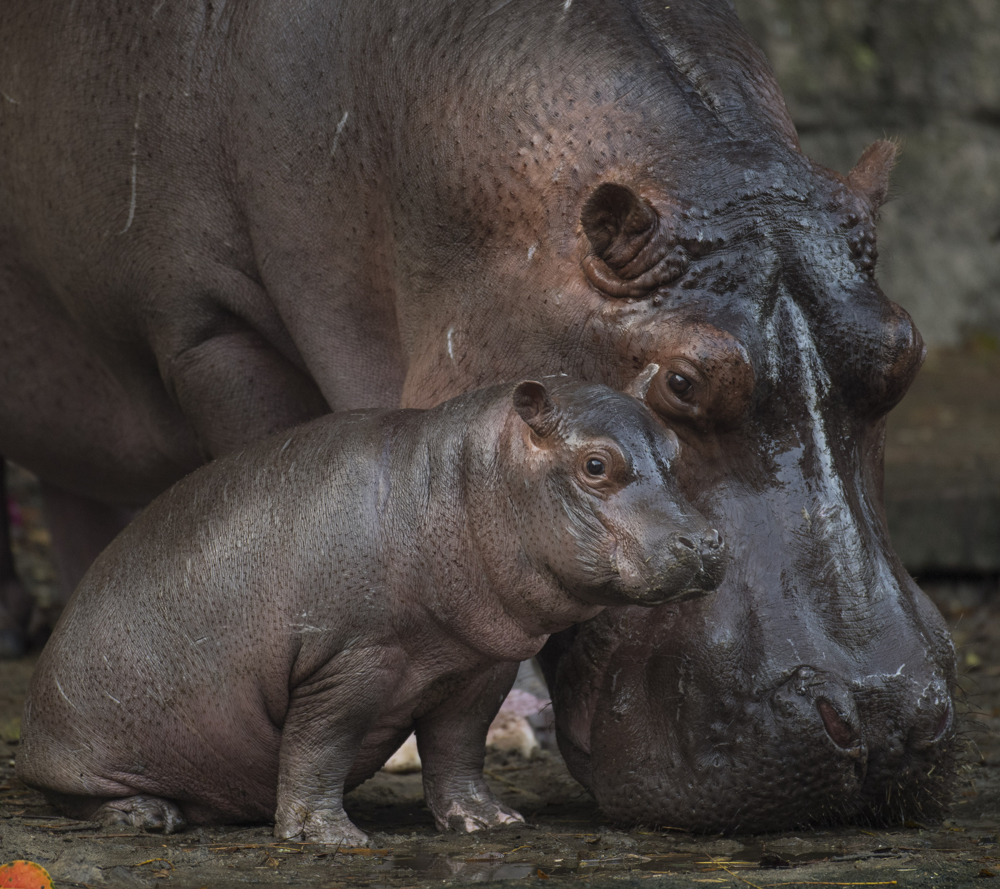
point(618, 223)
point(534, 405)
point(870, 175)
point(632, 251)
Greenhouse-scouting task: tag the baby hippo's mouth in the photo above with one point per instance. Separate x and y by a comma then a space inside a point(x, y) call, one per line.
point(683, 568)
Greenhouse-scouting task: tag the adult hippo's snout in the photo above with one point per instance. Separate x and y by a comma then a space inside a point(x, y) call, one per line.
point(730, 737)
point(883, 724)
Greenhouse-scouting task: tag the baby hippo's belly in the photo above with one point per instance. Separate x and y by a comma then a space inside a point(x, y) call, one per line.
point(379, 745)
point(424, 688)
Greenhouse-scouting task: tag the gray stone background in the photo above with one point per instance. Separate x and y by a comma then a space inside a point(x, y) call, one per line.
point(926, 72)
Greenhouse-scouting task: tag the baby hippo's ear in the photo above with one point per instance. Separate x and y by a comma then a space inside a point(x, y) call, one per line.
point(536, 408)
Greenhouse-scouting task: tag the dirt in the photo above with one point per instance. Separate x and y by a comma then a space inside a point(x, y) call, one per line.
point(565, 838)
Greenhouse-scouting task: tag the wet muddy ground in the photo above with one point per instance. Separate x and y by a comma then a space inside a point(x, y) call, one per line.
point(566, 837)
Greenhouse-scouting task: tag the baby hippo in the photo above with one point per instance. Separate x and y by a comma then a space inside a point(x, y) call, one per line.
point(268, 631)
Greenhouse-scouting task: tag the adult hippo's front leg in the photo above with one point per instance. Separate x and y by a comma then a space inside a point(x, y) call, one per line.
point(80, 529)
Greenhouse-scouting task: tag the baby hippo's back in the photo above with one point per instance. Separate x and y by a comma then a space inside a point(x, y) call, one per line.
point(169, 672)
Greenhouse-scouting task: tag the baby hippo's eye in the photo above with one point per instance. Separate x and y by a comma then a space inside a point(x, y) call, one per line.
point(602, 469)
point(680, 386)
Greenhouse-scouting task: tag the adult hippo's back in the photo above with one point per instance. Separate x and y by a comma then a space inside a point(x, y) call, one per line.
point(217, 220)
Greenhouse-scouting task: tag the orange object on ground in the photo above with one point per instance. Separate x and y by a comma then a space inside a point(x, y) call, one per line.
point(24, 875)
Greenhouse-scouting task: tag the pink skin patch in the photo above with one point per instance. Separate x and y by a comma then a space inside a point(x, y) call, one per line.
point(523, 703)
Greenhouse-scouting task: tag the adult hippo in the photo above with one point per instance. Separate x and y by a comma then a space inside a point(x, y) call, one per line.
point(218, 220)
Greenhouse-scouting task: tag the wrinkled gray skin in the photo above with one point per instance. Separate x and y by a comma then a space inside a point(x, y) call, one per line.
point(216, 221)
point(271, 628)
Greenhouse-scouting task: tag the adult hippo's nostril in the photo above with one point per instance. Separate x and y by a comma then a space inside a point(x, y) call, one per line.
point(928, 737)
point(809, 692)
point(836, 727)
point(686, 541)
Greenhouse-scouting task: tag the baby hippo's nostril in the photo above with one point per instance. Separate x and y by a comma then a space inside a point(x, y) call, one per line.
point(686, 541)
point(836, 727)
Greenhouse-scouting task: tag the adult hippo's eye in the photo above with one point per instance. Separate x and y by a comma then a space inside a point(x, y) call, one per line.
point(704, 376)
point(680, 386)
point(595, 467)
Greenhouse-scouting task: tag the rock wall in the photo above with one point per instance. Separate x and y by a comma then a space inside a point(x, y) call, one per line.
point(926, 72)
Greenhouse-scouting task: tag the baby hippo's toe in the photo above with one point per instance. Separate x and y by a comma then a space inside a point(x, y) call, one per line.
point(470, 815)
point(321, 826)
point(144, 812)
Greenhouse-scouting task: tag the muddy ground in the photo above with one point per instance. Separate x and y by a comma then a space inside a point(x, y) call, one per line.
point(566, 837)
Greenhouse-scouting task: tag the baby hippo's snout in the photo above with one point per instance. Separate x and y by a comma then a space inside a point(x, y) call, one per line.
point(710, 551)
point(686, 563)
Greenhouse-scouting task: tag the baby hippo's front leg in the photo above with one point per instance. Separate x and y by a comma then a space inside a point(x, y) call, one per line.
point(452, 744)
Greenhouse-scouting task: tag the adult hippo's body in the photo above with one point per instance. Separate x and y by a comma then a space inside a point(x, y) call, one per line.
point(217, 220)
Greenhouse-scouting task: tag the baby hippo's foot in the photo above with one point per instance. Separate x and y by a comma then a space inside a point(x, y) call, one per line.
point(144, 812)
point(476, 813)
point(321, 826)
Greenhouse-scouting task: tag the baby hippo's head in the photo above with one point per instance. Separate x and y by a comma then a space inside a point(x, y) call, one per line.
point(597, 502)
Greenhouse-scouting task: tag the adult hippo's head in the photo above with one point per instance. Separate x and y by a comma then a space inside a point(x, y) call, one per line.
point(816, 684)
point(642, 216)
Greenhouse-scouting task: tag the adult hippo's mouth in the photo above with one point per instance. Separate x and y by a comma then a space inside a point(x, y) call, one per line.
point(708, 734)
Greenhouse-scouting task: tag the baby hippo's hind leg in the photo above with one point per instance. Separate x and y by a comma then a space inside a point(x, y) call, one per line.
point(141, 811)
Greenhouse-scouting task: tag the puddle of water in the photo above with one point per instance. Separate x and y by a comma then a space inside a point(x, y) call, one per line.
point(466, 870)
point(494, 866)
